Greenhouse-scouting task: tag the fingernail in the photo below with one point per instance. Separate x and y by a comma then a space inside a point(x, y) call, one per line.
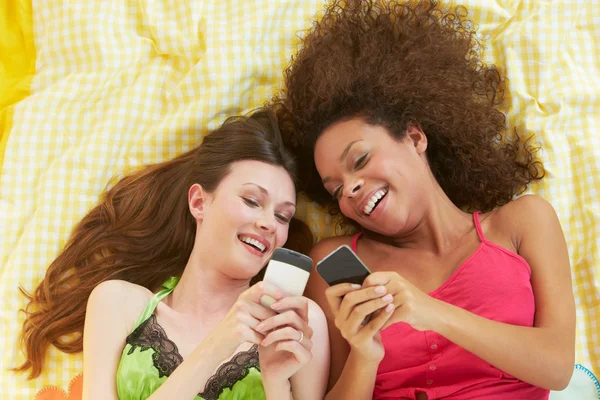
point(276, 306)
point(387, 298)
point(380, 289)
point(355, 286)
point(389, 308)
point(260, 327)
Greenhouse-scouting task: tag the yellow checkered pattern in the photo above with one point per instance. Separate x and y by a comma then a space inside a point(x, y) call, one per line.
point(122, 84)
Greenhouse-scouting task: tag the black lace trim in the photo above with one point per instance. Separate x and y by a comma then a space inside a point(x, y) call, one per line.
point(166, 357)
point(150, 335)
point(231, 372)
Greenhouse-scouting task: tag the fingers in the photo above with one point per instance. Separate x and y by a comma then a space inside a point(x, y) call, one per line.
point(287, 334)
point(246, 327)
point(378, 279)
point(258, 311)
point(297, 303)
point(288, 318)
point(299, 351)
point(356, 297)
point(335, 294)
point(261, 289)
point(361, 311)
point(379, 320)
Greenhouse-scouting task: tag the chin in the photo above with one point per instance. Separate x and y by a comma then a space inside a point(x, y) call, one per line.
point(245, 270)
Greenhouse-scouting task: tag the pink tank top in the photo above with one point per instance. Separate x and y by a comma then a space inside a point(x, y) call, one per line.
point(493, 283)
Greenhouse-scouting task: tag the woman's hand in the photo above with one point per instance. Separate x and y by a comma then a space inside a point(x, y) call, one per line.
point(411, 304)
point(287, 344)
point(240, 322)
point(350, 306)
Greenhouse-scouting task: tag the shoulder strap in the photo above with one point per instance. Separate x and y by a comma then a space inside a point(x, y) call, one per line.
point(168, 286)
point(478, 226)
point(355, 241)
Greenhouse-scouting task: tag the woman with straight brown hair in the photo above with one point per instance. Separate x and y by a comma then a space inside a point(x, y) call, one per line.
point(202, 226)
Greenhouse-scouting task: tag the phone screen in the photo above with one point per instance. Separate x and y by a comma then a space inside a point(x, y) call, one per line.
point(341, 266)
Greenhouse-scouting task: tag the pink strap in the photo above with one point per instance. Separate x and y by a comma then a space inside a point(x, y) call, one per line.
point(355, 241)
point(478, 226)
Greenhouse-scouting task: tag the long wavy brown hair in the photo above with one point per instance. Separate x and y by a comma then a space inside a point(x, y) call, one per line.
point(142, 232)
point(395, 63)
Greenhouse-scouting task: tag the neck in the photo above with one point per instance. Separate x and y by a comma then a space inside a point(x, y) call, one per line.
point(440, 227)
point(203, 290)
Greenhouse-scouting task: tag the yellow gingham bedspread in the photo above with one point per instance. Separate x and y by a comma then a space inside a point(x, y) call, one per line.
point(112, 85)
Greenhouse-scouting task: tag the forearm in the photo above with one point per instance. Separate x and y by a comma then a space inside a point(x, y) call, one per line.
point(276, 390)
point(190, 377)
point(516, 350)
point(356, 381)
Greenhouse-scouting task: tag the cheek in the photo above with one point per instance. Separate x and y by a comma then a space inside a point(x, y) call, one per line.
point(236, 212)
point(345, 208)
point(282, 235)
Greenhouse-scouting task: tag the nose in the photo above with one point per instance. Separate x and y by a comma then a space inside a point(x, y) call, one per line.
point(353, 188)
point(266, 223)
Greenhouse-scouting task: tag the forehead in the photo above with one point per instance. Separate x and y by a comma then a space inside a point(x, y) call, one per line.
point(341, 133)
point(274, 179)
point(337, 136)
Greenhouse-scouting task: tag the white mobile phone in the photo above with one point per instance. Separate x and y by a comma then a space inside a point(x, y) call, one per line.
point(289, 271)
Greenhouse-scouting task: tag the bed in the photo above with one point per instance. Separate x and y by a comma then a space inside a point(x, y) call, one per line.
point(90, 90)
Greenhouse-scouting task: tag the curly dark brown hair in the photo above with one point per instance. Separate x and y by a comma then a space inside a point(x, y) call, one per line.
point(395, 63)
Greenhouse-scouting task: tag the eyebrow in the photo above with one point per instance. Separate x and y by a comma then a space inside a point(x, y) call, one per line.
point(342, 156)
point(265, 191)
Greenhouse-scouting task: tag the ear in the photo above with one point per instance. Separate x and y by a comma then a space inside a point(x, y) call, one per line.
point(417, 137)
point(197, 198)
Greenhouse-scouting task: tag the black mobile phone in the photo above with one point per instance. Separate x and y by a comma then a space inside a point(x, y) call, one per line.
point(342, 265)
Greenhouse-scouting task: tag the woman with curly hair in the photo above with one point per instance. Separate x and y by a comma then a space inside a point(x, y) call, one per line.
point(398, 126)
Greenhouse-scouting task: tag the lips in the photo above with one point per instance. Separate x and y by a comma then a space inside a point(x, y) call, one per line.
point(255, 241)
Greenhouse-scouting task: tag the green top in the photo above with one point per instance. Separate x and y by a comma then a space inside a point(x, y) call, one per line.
point(149, 358)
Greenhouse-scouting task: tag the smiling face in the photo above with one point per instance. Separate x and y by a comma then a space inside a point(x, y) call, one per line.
point(246, 218)
point(379, 181)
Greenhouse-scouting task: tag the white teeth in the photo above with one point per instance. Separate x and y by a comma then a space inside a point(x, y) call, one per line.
point(253, 242)
point(374, 200)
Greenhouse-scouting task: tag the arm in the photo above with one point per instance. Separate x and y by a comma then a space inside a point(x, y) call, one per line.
point(110, 315)
point(351, 375)
point(518, 350)
point(311, 381)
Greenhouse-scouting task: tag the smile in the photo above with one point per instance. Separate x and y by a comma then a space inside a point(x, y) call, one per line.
point(253, 242)
point(374, 201)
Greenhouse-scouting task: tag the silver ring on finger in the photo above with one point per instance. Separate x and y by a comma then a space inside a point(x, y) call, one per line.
point(301, 337)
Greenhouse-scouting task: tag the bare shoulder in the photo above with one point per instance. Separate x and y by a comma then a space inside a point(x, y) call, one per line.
point(528, 210)
point(326, 246)
point(527, 216)
point(528, 205)
point(121, 297)
point(120, 290)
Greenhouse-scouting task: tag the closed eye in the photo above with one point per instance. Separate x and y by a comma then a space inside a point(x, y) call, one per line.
point(337, 192)
point(283, 218)
point(361, 161)
point(249, 202)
